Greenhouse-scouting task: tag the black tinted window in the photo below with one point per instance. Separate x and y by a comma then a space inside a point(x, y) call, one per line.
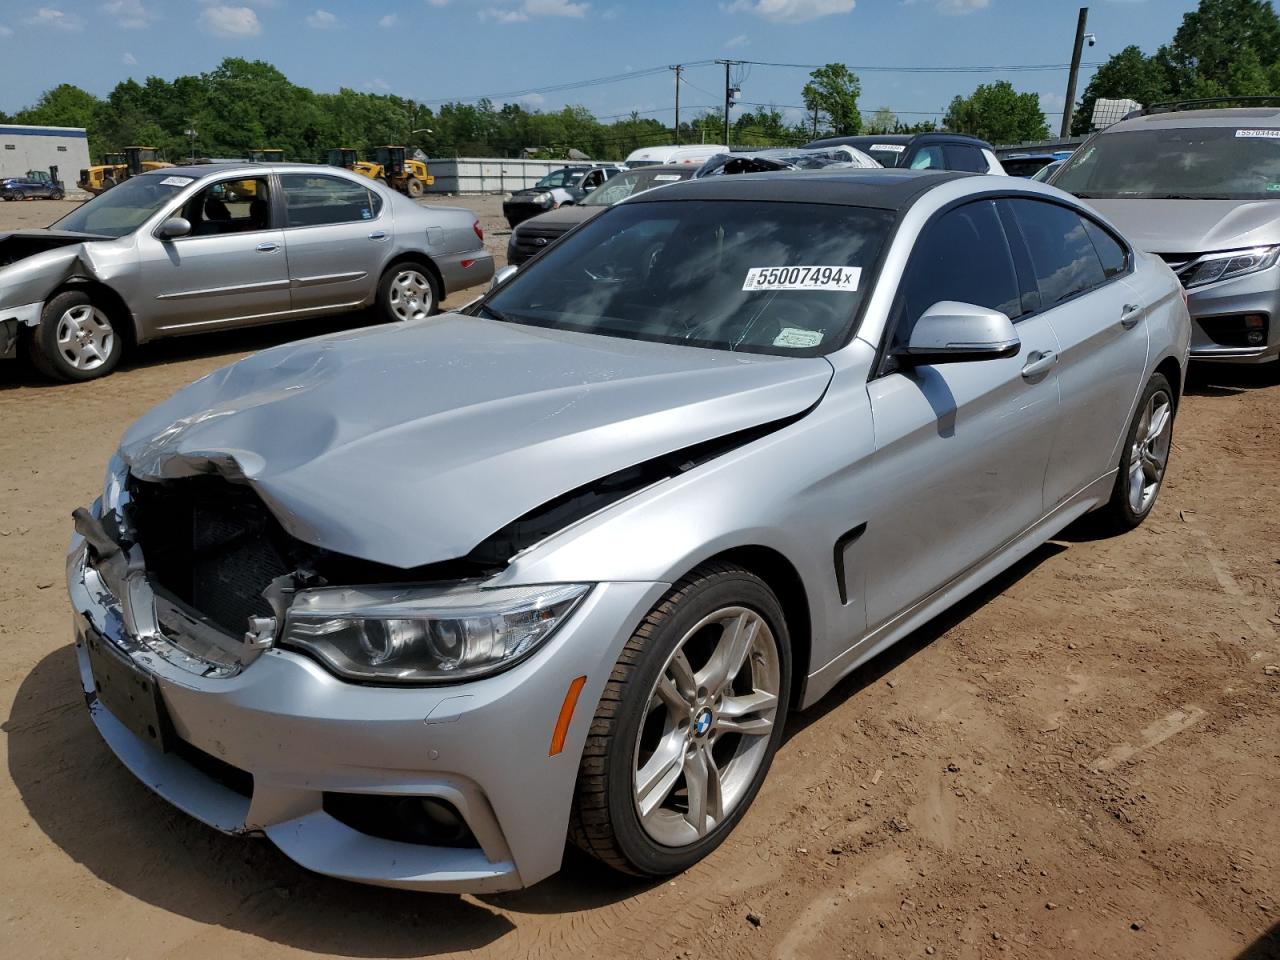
point(962, 256)
point(314, 199)
point(1062, 254)
point(1114, 257)
point(961, 156)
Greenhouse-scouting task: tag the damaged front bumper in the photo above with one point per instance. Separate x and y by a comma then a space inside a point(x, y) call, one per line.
point(274, 744)
point(12, 320)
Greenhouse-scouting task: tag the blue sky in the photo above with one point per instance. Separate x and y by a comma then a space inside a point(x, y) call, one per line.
point(446, 49)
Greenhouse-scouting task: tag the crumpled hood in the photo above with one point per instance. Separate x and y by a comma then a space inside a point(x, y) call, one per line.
point(410, 444)
point(1193, 226)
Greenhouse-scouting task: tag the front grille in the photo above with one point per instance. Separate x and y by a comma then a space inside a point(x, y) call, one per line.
point(526, 240)
point(211, 543)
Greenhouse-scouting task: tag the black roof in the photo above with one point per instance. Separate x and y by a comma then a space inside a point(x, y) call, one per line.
point(863, 141)
point(885, 189)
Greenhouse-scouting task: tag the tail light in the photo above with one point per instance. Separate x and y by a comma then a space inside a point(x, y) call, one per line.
point(478, 229)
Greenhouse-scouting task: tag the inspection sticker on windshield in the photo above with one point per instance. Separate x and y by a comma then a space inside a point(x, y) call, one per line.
point(840, 279)
point(797, 337)
point(667, 176)
point(176, 181)
point(889, 147)
point(1269, 134)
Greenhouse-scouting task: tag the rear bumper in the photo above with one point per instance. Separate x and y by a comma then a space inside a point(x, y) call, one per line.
point(460, 271)
point(292, 732)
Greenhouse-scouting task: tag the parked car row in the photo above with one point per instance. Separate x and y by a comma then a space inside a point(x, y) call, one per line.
point(190, 249)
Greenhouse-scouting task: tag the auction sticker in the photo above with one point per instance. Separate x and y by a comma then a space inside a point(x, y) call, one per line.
point(668, 176)
point(1268, 134)
point(889, 147)
point(797, 337)
point(176, 181)
point(839, 279)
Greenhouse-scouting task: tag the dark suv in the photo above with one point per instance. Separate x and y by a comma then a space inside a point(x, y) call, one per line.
point(922, 151)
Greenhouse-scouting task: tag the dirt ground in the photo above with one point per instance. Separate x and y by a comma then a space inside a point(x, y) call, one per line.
point(1081, 761)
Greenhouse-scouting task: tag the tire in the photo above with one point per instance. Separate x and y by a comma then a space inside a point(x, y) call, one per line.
point(75, 339)
point(665, 736)
point(1145, 455)
point(107, 183)
point(414, 188)
point(57, 195)
point(408, 291)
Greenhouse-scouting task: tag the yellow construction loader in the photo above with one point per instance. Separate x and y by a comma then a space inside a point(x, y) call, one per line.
point(118, 167)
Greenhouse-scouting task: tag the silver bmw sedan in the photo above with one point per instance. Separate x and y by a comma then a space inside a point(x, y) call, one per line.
point(420, 602)
point(186, 250)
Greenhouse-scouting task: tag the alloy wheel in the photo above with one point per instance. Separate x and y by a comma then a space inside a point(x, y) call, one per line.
point(411, 297)
point(85, 337)
point(1149, 455)
point(706, 730)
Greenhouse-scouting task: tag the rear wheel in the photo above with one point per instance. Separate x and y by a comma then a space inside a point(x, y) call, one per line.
point(57, 195)
point(1143, 460)
point(687, 726)
point(408, 291)
point(75, 339)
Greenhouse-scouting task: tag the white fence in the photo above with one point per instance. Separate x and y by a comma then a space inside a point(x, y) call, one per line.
point(486, 175)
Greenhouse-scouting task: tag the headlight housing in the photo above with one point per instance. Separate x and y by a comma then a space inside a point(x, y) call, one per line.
point(543, 199)
point(415, 635)
point(1226, 266)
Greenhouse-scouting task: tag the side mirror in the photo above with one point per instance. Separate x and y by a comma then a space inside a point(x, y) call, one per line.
point(502, 276)
point(175, 227)
point(589, 187)
point(951, 332)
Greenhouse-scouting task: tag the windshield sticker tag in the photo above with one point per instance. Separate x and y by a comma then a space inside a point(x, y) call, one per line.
point(889, 147)
point(176, 181)
point(797, 337)
point(667, 176)
point(1269, 134)
point(839, 279)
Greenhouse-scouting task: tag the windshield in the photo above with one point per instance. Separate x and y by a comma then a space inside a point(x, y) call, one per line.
point(625, 184)
point(560, 178)
point(759, 277)
point(1194, 163)
point(123, 209)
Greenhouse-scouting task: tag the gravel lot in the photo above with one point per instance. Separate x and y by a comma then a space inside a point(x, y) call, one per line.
point(1083, 760)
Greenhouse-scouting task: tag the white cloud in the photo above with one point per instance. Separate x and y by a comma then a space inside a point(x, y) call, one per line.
point(129, 60)
point(958, 8)
point(322, 20)
point(741, 40)
point(376, 84)
point(794, 11)
point(388, 21)
point(55, 19)
point(129, 13)
point(532, 99)
point(227, 21)
point(6, 31)
point(438, 3)
point(527, 9)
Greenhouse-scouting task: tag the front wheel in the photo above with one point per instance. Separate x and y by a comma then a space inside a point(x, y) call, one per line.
point(408, 291)
point(1143, 460)
point(75, 339)
point(57, 195)
point(687, 726)
point(414, 188)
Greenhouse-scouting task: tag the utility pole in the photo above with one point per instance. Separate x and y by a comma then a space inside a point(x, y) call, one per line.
point(815, 121)
point(728, 96)
point(678, 68)
point(1070, 105)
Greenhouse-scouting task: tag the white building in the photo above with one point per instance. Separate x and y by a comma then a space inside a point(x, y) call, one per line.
point(24, 148)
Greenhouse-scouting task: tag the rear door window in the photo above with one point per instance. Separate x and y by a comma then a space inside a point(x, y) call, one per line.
point(317, 199)
point(1062, 253)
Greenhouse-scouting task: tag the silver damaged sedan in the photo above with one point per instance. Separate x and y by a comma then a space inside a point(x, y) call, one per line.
point(190, 249)
point(420, 602)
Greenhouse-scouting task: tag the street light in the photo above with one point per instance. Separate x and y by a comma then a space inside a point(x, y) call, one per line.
point(191, 132)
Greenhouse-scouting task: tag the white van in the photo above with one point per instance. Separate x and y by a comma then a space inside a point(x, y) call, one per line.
point(698, 153)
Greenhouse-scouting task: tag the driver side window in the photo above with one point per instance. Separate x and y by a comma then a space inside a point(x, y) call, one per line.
point(962, 256)
point(229, 206)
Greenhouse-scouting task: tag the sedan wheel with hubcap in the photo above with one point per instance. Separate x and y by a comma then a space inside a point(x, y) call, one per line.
point(75, 339)
point(687, 725)
point(408, 292)
point(85, 338)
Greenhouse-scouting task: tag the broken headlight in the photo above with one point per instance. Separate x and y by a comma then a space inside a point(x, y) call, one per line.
point(420, 635)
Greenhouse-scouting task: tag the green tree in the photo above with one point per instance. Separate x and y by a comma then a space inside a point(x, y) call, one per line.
point(1129, 74)
point(1211, 40)
point(883, 120)
point(833, 91)
point(998, 113)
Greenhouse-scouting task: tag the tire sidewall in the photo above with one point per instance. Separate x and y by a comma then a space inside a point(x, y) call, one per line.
point(1120, 499)
point(645, 854)
point(384, 289)
point(45, 351)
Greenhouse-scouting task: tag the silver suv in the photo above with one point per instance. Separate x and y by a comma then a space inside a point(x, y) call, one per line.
point(1201, 188)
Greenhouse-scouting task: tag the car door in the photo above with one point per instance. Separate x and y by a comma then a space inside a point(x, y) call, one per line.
point(337, 236)
point(228, 271)
point(1079, 270)
point(961, 448)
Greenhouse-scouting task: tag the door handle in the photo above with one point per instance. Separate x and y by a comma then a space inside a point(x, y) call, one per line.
point(378, 235)
point(1041, 364)
point(1130, 316)
point(268, 247)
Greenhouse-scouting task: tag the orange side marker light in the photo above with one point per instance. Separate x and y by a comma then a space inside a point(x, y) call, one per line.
point(566, 715)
